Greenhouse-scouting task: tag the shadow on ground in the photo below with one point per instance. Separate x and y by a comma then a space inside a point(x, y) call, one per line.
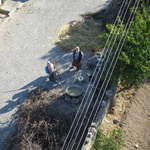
point(80, 33)
point(62, 60)
point(23, 1)
point(5, 132)
point(19, 97)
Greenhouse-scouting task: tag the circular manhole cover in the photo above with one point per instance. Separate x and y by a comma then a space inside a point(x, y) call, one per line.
point(74, 91)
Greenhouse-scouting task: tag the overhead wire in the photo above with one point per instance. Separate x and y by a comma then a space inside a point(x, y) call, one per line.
point(102, 96)
point(99, 78)
point(120, 11)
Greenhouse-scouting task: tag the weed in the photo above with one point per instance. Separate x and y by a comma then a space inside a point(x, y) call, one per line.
point(113, 142)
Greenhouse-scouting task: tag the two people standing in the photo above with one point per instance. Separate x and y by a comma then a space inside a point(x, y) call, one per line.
point(76, 62)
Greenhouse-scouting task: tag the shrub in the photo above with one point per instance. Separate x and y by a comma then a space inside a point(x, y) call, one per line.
point(133, 66)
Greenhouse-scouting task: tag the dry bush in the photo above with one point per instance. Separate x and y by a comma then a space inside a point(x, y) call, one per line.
point(38, 127)
point(79, 33)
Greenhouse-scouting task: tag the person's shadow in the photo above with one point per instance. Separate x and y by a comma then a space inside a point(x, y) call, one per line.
point(19, 98)
point(62, 60)
point(23, 1)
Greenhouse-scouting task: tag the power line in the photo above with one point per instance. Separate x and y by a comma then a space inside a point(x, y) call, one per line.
point(91, 80)
point(99, 103)
point(97, 85)
point(95, 71)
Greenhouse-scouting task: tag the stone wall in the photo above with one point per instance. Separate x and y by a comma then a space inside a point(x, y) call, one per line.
point(91, 136)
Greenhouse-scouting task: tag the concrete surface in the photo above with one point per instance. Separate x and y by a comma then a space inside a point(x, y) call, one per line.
point(26, 42)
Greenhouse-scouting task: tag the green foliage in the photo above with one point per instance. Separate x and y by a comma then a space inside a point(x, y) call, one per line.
point(114, 142)
point(133, 66)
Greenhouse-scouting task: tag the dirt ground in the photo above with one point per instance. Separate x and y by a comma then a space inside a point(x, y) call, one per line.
point(132, 114)
point(137, 122)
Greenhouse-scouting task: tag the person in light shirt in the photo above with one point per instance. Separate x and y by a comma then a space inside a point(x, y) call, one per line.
point(50, 69)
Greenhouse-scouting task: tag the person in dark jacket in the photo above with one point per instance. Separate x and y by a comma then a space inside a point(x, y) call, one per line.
point(77, 58)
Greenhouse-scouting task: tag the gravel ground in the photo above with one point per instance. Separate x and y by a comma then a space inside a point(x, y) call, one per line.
point(26, 42)
point(137, 124)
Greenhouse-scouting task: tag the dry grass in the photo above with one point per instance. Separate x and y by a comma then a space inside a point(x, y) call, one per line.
point(124, 100)
point(79, 33)
point(39, 128)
